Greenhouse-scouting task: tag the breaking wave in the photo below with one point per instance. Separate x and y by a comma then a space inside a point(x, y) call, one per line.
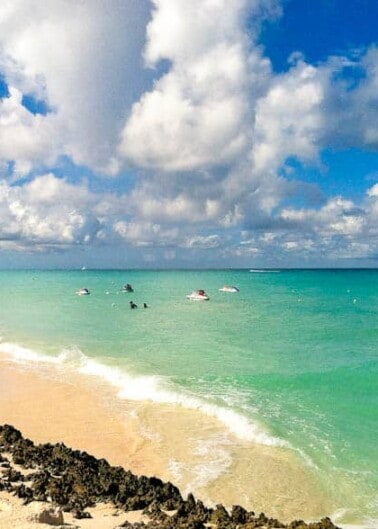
point(151, 388)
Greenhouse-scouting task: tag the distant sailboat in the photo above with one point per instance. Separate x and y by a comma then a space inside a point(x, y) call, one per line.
point(83, 267)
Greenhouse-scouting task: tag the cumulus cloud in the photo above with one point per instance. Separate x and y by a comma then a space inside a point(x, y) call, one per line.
point(337, 217)
point(289, 118)
point(25, 138)
point(83, 59)
point(196, 115)
point(209, 241)
point(334, 230)
point(46, 212)
point(145, 234)
point(171, 131)
point(50, 213)
point(352, 106)
point(179, 98)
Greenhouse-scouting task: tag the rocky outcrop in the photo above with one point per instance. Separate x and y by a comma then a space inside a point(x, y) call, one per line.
point(50, 516)
point(74, 480)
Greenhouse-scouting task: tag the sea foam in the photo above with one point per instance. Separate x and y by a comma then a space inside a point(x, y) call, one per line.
point(151, 388)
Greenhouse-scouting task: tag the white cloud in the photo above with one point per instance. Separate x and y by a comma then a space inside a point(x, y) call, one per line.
point(83, 58)
point(337, 217)
point(145, 234)
point(25, 138)
point(307, 108)
point(289, 118)
point(204, 242)
point(247, 251)
point(373, 191)
point(47, 211)
point(200, 112)
point(182, 93)
point(182, 207)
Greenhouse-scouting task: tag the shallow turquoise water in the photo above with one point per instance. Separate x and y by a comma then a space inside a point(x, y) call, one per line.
point(294, 352)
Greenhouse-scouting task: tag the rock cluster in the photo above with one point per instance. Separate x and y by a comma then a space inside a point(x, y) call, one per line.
point(75, 480)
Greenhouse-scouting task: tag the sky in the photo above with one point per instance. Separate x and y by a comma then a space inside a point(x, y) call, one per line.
point(188, 133)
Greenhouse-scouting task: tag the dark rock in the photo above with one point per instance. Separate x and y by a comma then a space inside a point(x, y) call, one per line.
point(13, 475)
point(262, 518)
point(203, 513)
point(297, 524)
point(238, 514)
point(25, 493)
point(220, 517)
point(191, 502)
point(137, 525)
point(273, 523)
point(171, 504)
point(80, 515)
point(75, 480)
point(155, 513)
point(190, 515)
point(9, 435)
point(152, 509)
point(325, 523)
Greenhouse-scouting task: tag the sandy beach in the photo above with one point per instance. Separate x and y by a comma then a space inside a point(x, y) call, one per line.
point(13, 514)
point(189, 262)
point(87, 417)
point(69, 411)
point(47, 411)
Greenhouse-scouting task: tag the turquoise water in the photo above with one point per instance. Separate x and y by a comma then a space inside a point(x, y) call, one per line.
point(293, 355)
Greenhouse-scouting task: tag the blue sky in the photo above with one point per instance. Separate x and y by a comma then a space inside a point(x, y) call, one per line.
point(188, 133)
point(320, 28)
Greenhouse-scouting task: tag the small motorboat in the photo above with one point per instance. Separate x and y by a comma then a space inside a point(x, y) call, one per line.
point(228, 288)
point(198, 295)
point(83, 292)
point(127, 288)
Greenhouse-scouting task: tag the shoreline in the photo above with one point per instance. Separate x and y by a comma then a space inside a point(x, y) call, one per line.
point(68, 411)
point(180, 445)
point(58, 485)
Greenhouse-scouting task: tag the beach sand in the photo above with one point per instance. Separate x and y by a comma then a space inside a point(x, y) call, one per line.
point(49, 411)
point(13, 514)
point(70, 411)
point(156, 440)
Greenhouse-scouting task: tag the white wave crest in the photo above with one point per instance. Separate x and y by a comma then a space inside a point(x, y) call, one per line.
point(143, 388)
point(22, 355)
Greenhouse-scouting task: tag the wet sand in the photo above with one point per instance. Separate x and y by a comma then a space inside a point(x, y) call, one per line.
point(70, 411)
point(220, 468)
point(184, 446)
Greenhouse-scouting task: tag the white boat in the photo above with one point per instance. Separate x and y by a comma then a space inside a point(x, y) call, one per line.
point(228, 288)
point(83, 292)
point(198, 295)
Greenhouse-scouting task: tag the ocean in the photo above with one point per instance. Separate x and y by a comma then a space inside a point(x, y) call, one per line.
point(288, 363)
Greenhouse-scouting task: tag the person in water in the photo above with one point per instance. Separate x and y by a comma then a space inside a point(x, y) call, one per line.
point(132, 305)
point(145, 306)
